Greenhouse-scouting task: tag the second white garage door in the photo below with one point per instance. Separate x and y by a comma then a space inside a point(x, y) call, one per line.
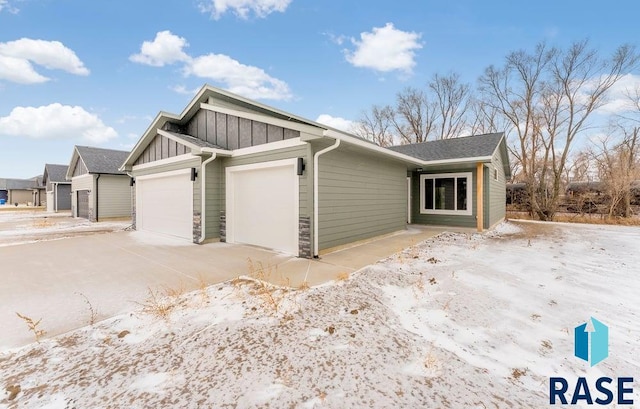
point(164, 204)
point(262, 205)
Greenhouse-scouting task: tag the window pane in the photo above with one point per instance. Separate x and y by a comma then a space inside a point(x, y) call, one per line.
point(428, 194)
point(462, 193)
point(445, 194)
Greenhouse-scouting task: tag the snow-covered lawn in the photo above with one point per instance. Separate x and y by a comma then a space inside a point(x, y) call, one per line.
point(29, 226)
point(458, 321)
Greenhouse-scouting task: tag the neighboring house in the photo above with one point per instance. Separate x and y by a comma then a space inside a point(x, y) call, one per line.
point(58, 188)
point(22, 191)
point(233, 169)
point(98, 189)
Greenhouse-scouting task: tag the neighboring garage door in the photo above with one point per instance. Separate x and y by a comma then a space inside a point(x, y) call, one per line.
point(262, 205)
point(164, 204)
point(83, 203)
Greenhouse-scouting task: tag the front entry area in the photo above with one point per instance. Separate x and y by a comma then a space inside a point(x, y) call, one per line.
point(262, 205)
point(164, 203)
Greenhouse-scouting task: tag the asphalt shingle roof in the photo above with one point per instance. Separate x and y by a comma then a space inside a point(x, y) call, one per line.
point(456, 148)
point(99, 160)
point(57, 173)
point(20, 184)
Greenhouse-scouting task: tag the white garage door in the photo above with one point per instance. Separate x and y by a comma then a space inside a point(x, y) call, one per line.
point(164, 204)
point(262, 205)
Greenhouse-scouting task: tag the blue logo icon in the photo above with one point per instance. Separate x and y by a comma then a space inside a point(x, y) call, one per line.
point(592, 342)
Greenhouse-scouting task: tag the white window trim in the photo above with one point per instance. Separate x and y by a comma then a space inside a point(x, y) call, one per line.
point(468, 175)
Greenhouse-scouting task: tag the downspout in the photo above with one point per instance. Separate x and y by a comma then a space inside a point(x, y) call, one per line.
point(55, 198)
point(203, 191)
point(316, 156)
point(97, 197)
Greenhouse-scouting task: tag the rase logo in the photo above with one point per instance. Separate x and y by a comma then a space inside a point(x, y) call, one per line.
point(591, 344)
point(598, 349)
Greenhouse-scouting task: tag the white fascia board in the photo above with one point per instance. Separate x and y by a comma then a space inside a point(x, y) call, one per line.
point(264, 118)
point(266, 147)
point(372, 147)
point(477, 159)
point(175, 159)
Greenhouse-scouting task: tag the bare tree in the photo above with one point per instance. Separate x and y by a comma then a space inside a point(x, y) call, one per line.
point(414, 116)
point(618, 168)
point(548, 96)
point(453, 99)
point(439, 111)
point(376, 126)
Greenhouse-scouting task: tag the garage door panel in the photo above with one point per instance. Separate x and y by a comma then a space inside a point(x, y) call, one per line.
point(83, 203)
point(165, 205)
point(264, 208)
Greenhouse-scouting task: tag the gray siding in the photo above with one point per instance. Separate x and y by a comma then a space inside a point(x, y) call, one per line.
point(231, 132)
point(215, 198)
point(114, 197)
point(360, 196)
point(63, 197)
point(441, 219)
point(161, 147)
point(497, 191)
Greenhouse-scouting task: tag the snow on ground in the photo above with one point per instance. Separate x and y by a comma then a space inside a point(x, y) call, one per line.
point(29, 226)
point(458, 321)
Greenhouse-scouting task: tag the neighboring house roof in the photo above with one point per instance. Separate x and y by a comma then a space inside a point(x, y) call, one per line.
point(98, 160)
point(478, 146)
point(20, 184)
point(56, 173)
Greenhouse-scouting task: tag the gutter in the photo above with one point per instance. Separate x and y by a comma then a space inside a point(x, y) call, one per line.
point(316, 157)
point(97, 197)
point(203, 193)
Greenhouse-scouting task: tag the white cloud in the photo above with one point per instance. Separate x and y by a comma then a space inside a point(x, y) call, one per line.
point(166, 48)
point(181, 89)
point(617, 101)
point(385, 49)
point(49, 54)
point(246, 80)
point(56, 121)
point(6, 5)
point(336, 122)
point(243, 8)
point(19, 70)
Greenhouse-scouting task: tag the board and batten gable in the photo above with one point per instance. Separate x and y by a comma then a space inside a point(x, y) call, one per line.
point(160, 148)
point(360, 196)
point(79, 168)
point(233, 132)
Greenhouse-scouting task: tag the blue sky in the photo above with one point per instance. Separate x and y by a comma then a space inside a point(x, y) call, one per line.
point(96, 72)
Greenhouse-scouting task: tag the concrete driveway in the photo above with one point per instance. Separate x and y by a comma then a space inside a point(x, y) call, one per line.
point(114, 271)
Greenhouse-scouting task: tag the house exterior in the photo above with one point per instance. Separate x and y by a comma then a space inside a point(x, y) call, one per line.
point(236, 170)
point(58, 188)
point(98, 189)
point(22, 191)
